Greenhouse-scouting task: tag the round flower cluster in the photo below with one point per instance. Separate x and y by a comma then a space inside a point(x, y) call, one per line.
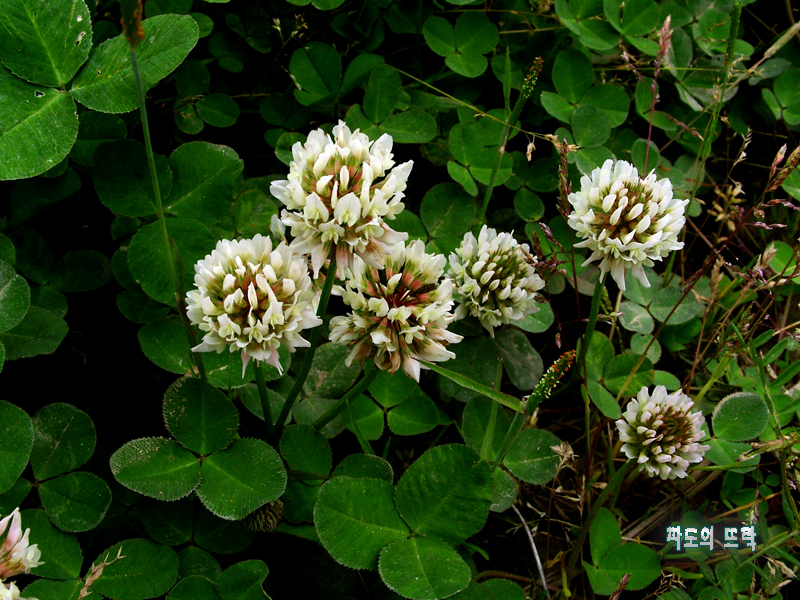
point(253, 298)
point(494, 274)
point(17, 557)
point(399, 314)
point(338, 193)
point(625, 220)
point(661, 433)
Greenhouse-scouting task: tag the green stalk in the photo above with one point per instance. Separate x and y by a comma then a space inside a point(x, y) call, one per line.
point(264, 396)
point(613, 485)
point(587, 336)
point(313, 342)
point(370, 372)
point(151, 163)
point(511, 436)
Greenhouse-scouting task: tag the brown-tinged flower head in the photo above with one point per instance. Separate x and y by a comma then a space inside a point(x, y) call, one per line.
point(400, 314)
point(627, 221)
point(339, 192)
point(253, 298)
point(495, 277)
point(17, 556)
point(661, 434)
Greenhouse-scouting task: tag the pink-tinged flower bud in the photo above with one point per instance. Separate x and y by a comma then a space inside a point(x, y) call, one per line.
point(399, 314)
point(16, 555)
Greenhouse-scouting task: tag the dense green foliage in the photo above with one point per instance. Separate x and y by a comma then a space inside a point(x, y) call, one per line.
point(376, 485)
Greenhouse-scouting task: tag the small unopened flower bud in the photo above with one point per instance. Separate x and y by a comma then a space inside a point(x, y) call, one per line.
point(16, 555)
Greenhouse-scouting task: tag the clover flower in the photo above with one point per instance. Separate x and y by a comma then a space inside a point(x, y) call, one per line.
point(626, 221)
point(661, 433)
point(339, 191)
point(253, 298)
point(10, 591)
point(494, 274)
point(399, 314)
point(16, 555)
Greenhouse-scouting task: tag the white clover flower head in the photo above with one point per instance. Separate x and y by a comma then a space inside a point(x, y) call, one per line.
point(339, 193)
point(253, 298)
point(661, 434)
point(17, 556)
point(627, 221)
point(495, 276)
point(400, 314)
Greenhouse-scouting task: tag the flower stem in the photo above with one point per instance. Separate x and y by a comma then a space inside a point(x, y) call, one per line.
point(587, 336)
point(313, 342)
point(370, 372)
point(264, 396)
point(151, 163)
point(511, 436)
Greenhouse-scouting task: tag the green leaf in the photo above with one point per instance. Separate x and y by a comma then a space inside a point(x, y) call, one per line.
point(382, 93)
point(483, 166)
point(522, 363)
point(15, 297)
point(638, 560)
point(640, 341)
point(598, 354)
point(61, 552)
point(194, 587)
point(299, 500)
point(416, 415)
point(668, 297)
point(480, 433)
point(364, 465)
point(45, 43)
point(147, 257)
point(140, 308)
point(505, 491)
point(221, 536)
point(218, 110)
point(204, 176)
point(243, 581)
point(724, 453)
point(440, 36)
point(106, 82)
point(572, 74)
point(467, 64)
point(423, 569)
point(740, 416)
point(640, 17)
point(81, 271)
point(317, 70)
point(502, 589)
point(38, 127)
point(240, 479)
point(356, 518)
point(603, 399)
point(15, 444)
point(447, 210)
point(196, 561)
point(475, 33)
point(356, 72)
point(94, 130)
point(604, 535)
point(148, 570)
point(390, 389)
point(306, 449)
point(446, 492)
point(75, 501)
point(611, 100)
point(528, 205)
point(12, 498)
point(620, 368)
point(168, 523)
point(537, 322)
point(122, 178)
point(156, 467)
point(635, 317)
point(532, 458)
point(200, 416)
point(64, 439)
point(254, 211)
point(410, 127)
point(557, 106)
point(469, 384)
point(164, 343)
point(40, 332)
point(365, 416)
point(597, 34)
point(329, 377)
point(590, 126)
point(54, 590)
